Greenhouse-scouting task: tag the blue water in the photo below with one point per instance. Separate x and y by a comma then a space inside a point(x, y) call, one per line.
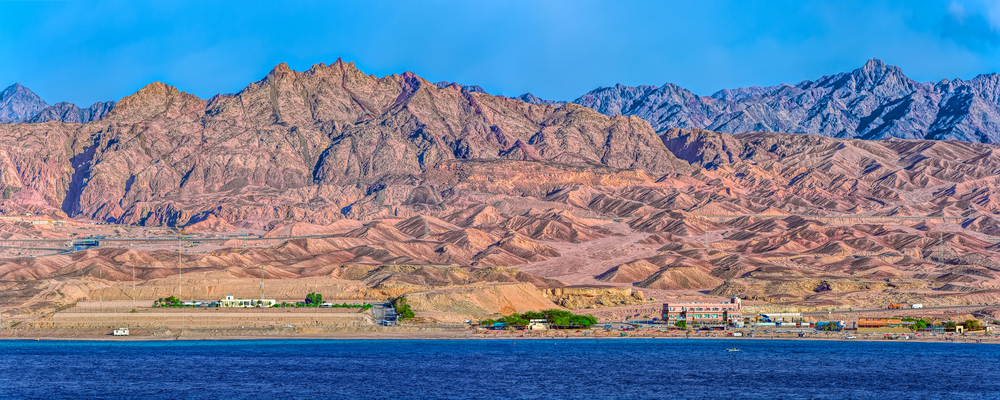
point(520, 369)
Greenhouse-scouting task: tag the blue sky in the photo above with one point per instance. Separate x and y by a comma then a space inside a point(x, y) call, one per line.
point(84, 52)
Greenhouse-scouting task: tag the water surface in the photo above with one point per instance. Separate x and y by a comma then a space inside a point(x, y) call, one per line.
point(520, 369)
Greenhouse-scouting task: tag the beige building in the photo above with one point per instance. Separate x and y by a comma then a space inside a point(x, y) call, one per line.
point(230, 301)
point(537, 326)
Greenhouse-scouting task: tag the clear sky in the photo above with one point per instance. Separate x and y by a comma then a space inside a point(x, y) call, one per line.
point(84, 52)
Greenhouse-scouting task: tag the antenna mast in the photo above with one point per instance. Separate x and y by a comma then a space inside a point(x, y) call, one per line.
point(180, 271)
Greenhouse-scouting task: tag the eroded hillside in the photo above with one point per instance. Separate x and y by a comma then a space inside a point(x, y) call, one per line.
point(414, 188)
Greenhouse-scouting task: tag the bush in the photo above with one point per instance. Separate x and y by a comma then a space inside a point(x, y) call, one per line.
point(167, 302)
point(403, 310)
point(558, 318)
point(314, 300)
point(918, 323)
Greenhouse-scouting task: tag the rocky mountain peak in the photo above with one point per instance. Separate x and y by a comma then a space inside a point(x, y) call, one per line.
point(876, 75)
point(532, 99)
point(874, 101)
point(467, 88)
point(155, 98)
point(19, 104)
point(68, 112)
point(279, 71)
point(988, 86)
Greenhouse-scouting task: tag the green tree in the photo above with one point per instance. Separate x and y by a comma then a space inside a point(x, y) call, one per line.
point(972, 325)
point(681, 324)
point(167, 302)
point(403, 310)
point(314, 299)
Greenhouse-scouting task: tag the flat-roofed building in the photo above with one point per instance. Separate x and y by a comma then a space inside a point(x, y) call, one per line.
point(880, 323)
point(231, 301)
point(726, 313)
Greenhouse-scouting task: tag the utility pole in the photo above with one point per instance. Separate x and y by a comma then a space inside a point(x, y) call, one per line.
point(941, 243)
point(180, 271)
point(133, 287)
point(706, 236)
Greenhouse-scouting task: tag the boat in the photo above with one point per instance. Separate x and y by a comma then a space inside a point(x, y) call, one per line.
point(733, 349)
point(121, 332)
point(850, 337)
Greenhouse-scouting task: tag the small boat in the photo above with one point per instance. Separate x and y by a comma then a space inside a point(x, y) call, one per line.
point(733, 349)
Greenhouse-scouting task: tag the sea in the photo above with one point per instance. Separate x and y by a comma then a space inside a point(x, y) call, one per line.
point(498, 369)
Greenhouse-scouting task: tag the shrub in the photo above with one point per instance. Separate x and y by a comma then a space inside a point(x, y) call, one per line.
point(558, 318)
point(314, 300)
point(167, 302)
point(403, 310)
point(972, 325)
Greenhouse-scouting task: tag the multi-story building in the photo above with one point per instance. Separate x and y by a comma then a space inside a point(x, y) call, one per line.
point(726, 313)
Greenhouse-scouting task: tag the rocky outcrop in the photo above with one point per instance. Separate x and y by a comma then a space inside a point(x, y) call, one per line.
point(532, 99)
point(594, 297)
point(876, 101)
point(68, 112)
point(311, 146)
point(480, 300)
point(19, 104)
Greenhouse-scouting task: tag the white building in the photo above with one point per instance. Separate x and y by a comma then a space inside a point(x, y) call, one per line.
point(230, 301)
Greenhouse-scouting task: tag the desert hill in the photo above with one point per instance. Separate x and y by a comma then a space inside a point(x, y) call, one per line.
point(396, 185)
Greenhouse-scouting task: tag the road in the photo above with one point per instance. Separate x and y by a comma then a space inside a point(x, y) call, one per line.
point(174, 239)
point(975, 306)
point(383, 312)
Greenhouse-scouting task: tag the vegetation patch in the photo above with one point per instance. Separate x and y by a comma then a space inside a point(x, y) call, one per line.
point(557, 318)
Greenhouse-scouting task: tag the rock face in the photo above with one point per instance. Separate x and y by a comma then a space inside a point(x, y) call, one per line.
point(418, 186)
point(532, 99)
point(19, 104)
point(311, 146)
point(467, 88)
point(875, 101)
point(68, 112)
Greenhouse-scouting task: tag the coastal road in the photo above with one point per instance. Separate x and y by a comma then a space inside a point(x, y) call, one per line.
point(383, 312)
point(974, 306)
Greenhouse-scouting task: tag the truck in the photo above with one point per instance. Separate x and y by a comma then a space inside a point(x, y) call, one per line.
point(917, 306)
point(895, 306)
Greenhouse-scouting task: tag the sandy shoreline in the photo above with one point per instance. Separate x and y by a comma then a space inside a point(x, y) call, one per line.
point(466, 335)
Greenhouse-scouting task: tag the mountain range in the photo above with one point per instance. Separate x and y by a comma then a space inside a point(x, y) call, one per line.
point(19, 104)
point(396, 170)
point(875, 101)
